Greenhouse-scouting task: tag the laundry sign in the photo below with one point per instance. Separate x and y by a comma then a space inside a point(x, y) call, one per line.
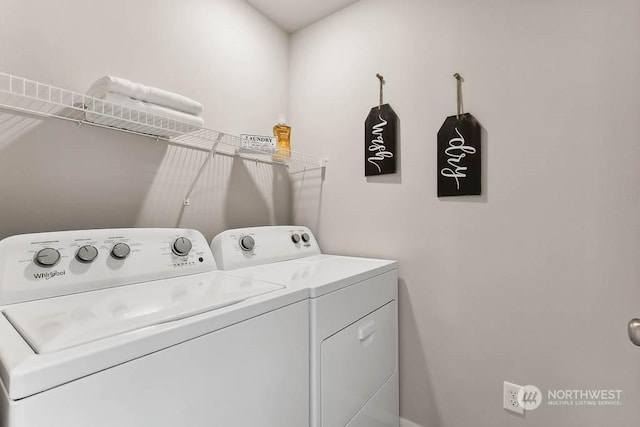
point(380, 134)
point(459, 153)
point(380, 141)
point(459, 156)
point(258, 143)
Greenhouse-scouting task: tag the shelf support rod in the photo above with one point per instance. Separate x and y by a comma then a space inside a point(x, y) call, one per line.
point(212, 153)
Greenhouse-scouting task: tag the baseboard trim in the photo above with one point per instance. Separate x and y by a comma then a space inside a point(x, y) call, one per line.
point(407, 423)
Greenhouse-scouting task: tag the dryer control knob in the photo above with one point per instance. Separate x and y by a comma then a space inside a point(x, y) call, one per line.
point(181, 246)
point(305, 237)
point(120, 251)
point(295, 238)
point(47, 257)
point(247, 243)
point(87, 253)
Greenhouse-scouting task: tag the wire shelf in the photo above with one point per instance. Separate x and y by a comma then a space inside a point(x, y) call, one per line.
point(32, 97)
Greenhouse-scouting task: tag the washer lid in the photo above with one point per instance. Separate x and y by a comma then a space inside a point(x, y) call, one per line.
point(55, 324)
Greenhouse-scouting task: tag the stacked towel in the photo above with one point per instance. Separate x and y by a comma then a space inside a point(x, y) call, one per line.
point(125, 100)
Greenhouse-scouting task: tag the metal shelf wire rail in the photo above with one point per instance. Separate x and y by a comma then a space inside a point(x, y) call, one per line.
point(31, 97)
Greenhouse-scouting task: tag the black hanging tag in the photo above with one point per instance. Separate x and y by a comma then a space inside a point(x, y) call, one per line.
point(459, 156)
point(380, 141)
point(459, 153)
point(380, 134)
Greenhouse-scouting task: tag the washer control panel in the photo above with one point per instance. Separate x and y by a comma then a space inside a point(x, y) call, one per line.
point(244, 247)
point(44, 265)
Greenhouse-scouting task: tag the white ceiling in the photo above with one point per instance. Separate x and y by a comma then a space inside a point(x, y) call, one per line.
point(293, 15)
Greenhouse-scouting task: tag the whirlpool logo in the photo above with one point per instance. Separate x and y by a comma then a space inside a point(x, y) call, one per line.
point(49, 274)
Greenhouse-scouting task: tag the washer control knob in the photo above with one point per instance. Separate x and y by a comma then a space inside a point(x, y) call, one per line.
point(305, 237)
point(181, 246)
point(295, 238)
point(47, 257)
point(247, 243)
point(120, 251)
point(87, 253)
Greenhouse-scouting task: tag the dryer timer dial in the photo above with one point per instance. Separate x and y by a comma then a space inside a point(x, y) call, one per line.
point(181, 246)
point(247, 243)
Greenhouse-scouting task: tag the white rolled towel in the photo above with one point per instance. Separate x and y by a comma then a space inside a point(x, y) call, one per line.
point(123, 112)
point(152, 95)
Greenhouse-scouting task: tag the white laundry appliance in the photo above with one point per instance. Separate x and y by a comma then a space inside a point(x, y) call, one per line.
point(353, 318)
point(135, 328)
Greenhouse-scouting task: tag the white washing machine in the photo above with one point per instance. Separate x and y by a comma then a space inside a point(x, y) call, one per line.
point(353, 319)
point(134, 328)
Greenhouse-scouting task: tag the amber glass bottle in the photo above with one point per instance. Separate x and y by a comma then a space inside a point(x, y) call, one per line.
point(283, 133)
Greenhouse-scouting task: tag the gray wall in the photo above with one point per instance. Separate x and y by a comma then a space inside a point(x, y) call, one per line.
point(223, 53)
point(534, 281)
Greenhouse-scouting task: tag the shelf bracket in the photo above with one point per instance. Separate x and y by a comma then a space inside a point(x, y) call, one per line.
point(212, 153)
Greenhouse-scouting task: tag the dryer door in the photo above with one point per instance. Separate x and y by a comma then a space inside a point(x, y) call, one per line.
point(356, 363)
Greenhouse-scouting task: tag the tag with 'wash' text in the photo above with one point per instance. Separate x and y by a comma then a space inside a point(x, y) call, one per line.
point(380, 134)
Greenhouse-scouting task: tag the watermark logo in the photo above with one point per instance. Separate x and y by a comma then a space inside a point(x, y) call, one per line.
point(530, 397)
point(596, 397)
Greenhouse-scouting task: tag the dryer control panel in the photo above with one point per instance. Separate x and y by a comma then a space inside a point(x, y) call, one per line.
point(245, 247)
point(45, 265)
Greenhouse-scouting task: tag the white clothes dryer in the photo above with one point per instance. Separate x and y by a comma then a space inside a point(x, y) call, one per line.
point(134, 328)
point(353, 319)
